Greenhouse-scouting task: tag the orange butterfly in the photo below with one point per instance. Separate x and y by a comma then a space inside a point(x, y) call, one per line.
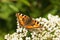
point(27, 21)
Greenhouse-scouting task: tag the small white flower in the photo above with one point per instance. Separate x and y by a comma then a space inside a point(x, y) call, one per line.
point(20, 39)
point(24, 34)
point(21, 35)
point(38, 19)
point(15, 38)
point(33, 36)
point(28, 38)
point(39, 35)
point(56, 39)
point(44, 32)
point(7, 36)
point(25, 30)
point(18, 26)
point(19, 30)
point(49, 16)
point(36, 38)
point(17, 23)
point(44, 20)
point(57, 32)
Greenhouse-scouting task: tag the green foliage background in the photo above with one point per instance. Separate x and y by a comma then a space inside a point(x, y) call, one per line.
point(33, 8)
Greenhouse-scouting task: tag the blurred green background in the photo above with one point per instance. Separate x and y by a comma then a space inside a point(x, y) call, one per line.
point(33, 8)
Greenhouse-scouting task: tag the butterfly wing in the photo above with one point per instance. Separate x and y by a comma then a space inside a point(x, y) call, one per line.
point(23, 19)
point(33, 24)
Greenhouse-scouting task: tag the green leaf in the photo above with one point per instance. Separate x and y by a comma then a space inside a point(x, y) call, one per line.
point(13, 7)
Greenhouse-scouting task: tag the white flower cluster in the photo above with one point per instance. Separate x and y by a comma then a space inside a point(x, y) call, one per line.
point(50, 30)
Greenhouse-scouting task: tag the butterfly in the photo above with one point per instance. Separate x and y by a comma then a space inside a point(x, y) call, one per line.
point(27, 21)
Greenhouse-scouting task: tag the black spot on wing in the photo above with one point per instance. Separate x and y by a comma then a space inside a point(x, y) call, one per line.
point(37, 22)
